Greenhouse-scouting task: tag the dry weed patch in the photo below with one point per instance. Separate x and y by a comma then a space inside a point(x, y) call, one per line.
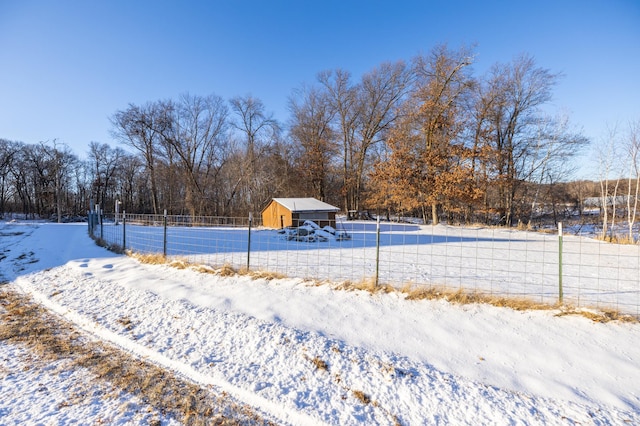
point(148, 258)
point(205, 269)
point(126, 323)
point(410, 291)
point(111, 247)
point(25, 323)
point(361, 396)
point(601, 316)
point(366, 284)
point(267, 275)
point(227, 270)
point(461, 297)
point(319, 363)
point(181, 263)
point(617, 239)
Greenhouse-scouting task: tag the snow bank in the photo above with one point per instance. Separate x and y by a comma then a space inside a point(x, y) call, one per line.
point(311, 354)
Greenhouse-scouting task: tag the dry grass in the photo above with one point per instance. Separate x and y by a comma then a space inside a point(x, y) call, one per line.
point(267, 275)
point(366, 284)
point(227, 271)
point(617, 239)
point(126, 323)
point(148, 258)
point(410, 291)
point(111, 247)
point(462, 297)
point(361, 396)
point(319, 363)
point(179, 263)
point(25, 323)
point(601, 316)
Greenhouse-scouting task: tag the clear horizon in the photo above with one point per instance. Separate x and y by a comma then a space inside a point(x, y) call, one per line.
point(69, 65)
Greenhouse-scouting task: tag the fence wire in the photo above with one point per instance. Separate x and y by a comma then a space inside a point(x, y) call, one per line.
point(493, 261)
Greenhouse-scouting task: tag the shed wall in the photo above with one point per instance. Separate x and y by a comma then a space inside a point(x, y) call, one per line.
point(276, 216)
point(321, 218)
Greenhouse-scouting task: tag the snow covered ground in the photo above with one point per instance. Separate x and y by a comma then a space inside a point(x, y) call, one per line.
point(496, 261)
point(303, 353)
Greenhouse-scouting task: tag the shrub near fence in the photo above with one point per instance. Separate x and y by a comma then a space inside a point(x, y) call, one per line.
point(548, 268)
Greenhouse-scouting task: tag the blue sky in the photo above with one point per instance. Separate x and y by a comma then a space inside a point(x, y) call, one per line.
point(66, 66)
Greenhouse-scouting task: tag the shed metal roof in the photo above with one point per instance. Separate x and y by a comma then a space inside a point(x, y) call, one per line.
point(297, 205)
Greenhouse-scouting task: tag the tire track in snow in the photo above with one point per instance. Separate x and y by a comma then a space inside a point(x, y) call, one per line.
point(263, 405)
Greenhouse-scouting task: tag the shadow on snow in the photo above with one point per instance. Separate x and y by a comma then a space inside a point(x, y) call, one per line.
point(226, 240)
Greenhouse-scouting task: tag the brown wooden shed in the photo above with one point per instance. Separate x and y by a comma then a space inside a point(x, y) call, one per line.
point(283, 212)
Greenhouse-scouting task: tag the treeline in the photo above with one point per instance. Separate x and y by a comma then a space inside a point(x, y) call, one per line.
point(424, 137)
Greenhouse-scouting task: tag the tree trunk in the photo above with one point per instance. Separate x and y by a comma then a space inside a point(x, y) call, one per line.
point(434, 213)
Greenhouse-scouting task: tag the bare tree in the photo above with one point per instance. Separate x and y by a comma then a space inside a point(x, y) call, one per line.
point(633, 148)
point(344, 99)
point(379, 97)
point(364, 113)
point(81, 182)
point(104, 162)
point(199, 137)
point(143, 128)
point(8, 152)
point(259, 132)
point(41, 177)
point(485, 95)
point(132, 182)
point(548, 159)
point(608, 166)
point(521, 90)
point(22, 177)
point(311, 131)
point(60, 160)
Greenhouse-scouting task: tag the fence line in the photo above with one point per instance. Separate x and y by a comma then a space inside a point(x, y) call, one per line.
point(549, 268)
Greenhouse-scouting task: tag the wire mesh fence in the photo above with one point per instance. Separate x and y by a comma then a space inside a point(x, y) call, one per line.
point(548, 268)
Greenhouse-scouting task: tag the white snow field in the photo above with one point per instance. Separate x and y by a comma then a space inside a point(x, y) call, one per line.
point(303, 353)
point(494, 261)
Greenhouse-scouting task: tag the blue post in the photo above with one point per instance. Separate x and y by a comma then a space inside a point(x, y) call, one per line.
point(124, 230)
point(560, 291)
point(249, 240)
point(377, 250)
point(164, 238)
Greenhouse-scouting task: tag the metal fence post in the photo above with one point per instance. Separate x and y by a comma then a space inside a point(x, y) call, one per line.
point(101, 225)
point(164, 237)
point(377, 250)
point(249, 240)
point(560, 291)
point(124, 230)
